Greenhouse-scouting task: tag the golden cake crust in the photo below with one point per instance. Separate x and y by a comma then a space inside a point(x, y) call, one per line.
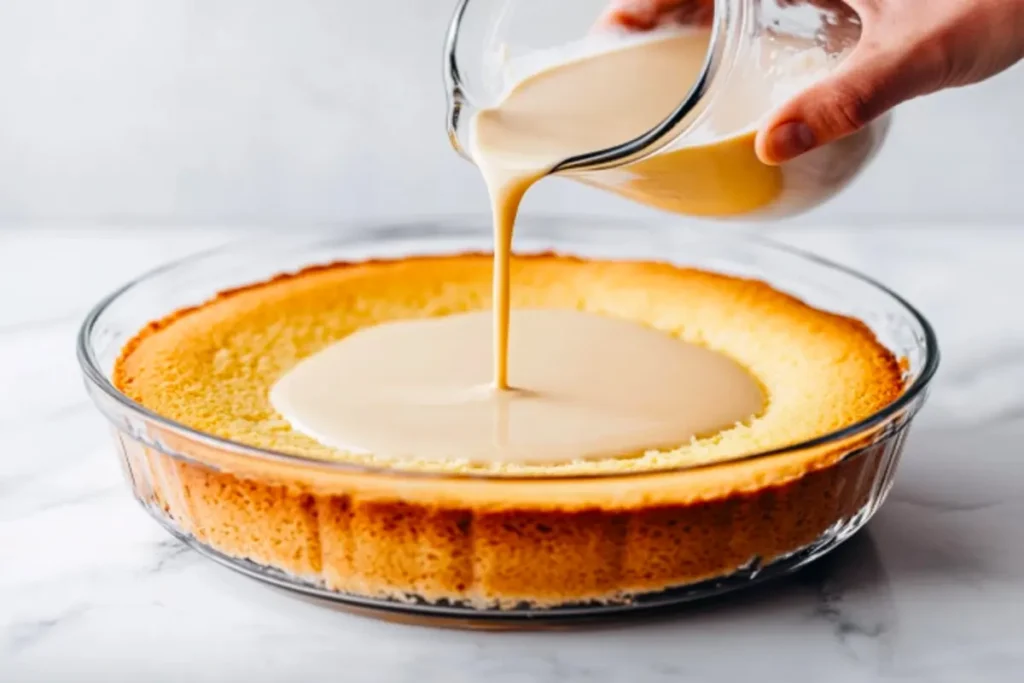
point(515, 538)
point(211, 368)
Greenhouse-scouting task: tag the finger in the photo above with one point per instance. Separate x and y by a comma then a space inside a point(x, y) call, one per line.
point(644, 15)
point(868, 84)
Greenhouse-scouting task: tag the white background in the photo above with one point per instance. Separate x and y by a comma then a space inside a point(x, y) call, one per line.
point(294, 111)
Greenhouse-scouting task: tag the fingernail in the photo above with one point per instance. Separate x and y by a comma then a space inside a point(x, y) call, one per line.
point(789, 140)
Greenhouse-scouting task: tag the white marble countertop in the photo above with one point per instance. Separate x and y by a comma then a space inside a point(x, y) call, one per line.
point(92, 589)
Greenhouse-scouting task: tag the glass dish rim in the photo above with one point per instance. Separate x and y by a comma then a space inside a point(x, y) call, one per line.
point(455, 225)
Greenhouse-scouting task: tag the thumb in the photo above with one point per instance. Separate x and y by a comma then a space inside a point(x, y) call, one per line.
point(867, 85)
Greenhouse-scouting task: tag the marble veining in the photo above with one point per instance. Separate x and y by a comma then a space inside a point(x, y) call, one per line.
point(92, 589)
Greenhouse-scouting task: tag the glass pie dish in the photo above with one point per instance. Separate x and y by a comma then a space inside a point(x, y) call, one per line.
point(496, 549)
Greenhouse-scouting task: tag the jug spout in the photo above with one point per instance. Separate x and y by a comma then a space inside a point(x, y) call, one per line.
point(483, 63)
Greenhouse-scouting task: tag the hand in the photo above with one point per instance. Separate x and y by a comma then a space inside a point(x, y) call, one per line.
point(907, 48)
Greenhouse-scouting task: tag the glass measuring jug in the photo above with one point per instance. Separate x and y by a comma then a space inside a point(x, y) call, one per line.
point(699, 158)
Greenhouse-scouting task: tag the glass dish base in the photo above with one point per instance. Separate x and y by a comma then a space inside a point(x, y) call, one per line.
point(418, 612)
